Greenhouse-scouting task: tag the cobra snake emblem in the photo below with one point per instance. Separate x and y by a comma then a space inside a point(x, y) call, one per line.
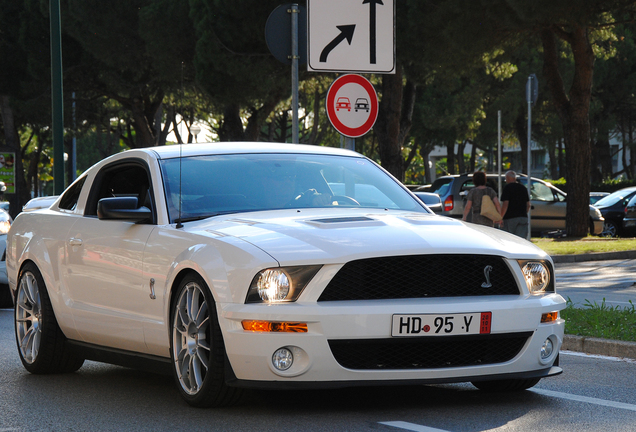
point(487, 271)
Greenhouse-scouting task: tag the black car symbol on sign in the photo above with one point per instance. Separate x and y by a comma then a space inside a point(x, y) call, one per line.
point(362, 103)
point(343, 103)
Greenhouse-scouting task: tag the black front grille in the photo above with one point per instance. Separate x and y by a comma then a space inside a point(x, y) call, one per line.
point(421, 276)
point(428, 352)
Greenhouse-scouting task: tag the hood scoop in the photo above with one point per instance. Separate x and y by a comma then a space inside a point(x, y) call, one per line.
point(342, 220)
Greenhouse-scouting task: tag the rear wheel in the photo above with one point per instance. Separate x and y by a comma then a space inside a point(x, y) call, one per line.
point(197, 349)
point(42, 346)
point(508, 385)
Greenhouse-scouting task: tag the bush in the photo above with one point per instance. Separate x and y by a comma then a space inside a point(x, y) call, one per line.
point(608, 185)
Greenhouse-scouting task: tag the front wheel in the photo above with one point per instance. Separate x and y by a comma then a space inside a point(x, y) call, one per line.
point(506, 385)
point(610, 229)
point(196, 347)
point(42, 346)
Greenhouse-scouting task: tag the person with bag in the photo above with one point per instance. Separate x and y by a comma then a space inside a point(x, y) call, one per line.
point(482, 202)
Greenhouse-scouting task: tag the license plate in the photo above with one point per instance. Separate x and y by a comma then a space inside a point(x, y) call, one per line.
point(441, 325)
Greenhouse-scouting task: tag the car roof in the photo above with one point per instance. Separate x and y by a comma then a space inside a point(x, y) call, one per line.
point(220, 148)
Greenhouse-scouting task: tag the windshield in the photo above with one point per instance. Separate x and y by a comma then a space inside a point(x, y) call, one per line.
point(614, 197)
point(221, 184)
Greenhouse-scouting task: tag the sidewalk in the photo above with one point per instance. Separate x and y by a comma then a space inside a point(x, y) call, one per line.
point(590, 345)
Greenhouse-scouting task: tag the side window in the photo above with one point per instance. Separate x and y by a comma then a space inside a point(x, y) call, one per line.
point(121, 180)
point(541, 192)
point(71, 196)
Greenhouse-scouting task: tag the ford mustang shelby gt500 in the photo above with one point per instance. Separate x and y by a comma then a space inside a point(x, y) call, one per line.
point(275, 266)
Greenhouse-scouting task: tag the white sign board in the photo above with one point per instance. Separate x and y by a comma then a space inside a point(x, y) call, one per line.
point(351, 36)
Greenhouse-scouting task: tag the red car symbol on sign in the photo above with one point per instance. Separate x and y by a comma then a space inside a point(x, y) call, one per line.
point(343, 103)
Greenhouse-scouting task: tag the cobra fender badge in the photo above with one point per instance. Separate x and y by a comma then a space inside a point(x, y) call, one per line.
point(487, 271)
point(152, 289)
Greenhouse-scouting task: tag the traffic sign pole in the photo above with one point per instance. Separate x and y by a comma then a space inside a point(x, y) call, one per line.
point(294, 54)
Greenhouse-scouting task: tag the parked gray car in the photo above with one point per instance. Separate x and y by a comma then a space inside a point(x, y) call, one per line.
point(548, 203)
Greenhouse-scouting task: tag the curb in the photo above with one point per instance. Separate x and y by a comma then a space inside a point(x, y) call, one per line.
point(594, 256)
point(604, 347)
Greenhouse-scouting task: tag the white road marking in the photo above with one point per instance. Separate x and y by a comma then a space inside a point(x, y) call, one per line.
point(411, 426)
point(582, 354)
point(585, 399)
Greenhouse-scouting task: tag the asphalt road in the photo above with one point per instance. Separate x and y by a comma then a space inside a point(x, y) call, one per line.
point(593, 281)
point(592, 394)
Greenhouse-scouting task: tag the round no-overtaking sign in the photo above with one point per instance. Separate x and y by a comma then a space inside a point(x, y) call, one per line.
point(352, 105)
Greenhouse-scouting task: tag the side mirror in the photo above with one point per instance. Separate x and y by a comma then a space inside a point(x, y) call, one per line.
point(122, 208)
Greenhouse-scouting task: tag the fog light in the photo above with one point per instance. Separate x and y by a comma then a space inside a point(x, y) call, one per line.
point(547, 349)
point(282, 359)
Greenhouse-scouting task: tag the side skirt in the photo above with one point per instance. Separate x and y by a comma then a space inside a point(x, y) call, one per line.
point(130, 359)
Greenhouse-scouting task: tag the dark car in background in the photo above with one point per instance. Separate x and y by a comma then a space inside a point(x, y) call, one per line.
point(6, 300)
point(613, 207)
point(433, 201)
point(548, 203)
point(629, 221)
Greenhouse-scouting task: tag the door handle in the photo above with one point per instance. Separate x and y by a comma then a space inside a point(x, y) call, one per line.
point(75, 242)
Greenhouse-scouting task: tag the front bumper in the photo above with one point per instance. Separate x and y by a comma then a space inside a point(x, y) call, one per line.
point(250, 353)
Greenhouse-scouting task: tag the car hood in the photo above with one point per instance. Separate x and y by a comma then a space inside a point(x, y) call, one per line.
point(295, 237)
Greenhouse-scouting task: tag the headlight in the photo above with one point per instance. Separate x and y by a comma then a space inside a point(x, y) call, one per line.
point(280, 284)
point(4, 227)
point(538, 276)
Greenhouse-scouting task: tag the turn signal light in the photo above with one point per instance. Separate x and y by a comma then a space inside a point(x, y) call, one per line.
point(549, 317)
point(274, 327)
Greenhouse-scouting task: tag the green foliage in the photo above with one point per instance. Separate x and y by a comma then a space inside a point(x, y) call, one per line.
point(601, 320)
point(607, 185)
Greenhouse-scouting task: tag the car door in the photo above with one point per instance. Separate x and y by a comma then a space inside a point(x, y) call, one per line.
point(547, 208)
point(105, 264)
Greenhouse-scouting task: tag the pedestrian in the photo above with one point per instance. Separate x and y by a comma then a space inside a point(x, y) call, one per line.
point(515, 205)
point(474, 200)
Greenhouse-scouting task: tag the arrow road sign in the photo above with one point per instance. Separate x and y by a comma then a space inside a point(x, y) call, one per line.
point(372, 29)
point(368, 27)
point(346, 32)
point(352, 105)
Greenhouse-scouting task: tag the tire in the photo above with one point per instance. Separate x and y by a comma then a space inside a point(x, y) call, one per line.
point(42, 346)
point(508, 385)
point(196, 347)
point(5, 297)
point(610, 229)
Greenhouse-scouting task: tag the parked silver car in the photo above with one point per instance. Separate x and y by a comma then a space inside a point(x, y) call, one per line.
point(548, 202)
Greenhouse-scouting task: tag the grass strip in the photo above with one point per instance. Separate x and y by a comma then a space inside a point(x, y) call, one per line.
point(584, 245)
point(601, 321)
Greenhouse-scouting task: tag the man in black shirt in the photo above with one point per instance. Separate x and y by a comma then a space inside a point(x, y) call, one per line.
point(515, 205)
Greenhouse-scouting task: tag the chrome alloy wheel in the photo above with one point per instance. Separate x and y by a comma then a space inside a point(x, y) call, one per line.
point(191, 338)
point(28, 317)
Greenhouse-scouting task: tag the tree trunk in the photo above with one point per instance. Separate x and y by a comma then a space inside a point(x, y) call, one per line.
point(12, 139)
point(450, 157)
point(573, 110)
point(394, 121)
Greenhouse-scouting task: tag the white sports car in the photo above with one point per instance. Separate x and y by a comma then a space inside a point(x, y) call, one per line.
point(275, 266)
